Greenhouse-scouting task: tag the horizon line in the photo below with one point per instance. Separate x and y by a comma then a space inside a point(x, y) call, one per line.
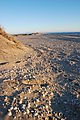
point(46, 32)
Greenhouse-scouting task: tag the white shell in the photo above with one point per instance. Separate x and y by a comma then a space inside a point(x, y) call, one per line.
point(10, 113)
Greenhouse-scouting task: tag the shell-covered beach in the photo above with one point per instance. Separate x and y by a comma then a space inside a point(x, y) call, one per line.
point(44, 84)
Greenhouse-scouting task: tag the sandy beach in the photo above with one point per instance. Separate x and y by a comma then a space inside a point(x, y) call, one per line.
point(44, 84)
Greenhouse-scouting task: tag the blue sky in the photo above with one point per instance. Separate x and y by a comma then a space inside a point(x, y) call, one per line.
point(22, 16)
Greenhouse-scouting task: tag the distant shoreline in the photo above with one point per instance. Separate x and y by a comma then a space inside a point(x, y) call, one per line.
point(50, 33)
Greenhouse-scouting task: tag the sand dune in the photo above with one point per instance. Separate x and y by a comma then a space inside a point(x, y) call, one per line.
point(10, 48)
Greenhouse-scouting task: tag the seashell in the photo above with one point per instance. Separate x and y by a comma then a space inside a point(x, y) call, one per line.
point(23, 106)
point(29, 91)
point(46, 118)
point(52, 93)
point(55, 114)
point(29, 105)
point(20, 101)
point(35, 114)
point(15, 117)
point(78, 96)
point(11, 108)
point(17, 89)
point(24, 113)
point(14, 98)
point(60, 114)
point(36, 105)
point(25, 97)
point(10, 113)
point(28, 111)
point(15, 108)
point(43, 95)
point(46, 106)
point(53, 118)
point(37, 100)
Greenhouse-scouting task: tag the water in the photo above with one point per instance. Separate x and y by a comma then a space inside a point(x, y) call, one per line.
point(66, 33)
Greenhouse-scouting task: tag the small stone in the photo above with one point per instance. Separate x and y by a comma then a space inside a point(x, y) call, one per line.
point(55, 114)
point(6, 99)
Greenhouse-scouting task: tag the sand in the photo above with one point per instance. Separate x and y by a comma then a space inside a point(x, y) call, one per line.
point(45, 83)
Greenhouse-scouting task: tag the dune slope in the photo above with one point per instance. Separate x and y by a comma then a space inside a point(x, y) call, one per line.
point(10, 48)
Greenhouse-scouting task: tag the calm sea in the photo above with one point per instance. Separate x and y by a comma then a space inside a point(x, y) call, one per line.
point(66, 33)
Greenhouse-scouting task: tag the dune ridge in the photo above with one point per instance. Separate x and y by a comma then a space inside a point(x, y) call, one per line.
point(10, 48)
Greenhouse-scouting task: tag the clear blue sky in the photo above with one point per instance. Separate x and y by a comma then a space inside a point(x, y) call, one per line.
point(21, 16)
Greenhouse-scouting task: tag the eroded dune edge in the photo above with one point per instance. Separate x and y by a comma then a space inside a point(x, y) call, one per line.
point(11, 49)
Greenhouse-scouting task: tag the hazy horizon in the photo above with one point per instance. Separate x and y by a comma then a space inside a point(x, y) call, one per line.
point(23, 16)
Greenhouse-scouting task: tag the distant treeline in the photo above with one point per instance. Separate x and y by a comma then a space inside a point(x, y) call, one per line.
point(24, 34)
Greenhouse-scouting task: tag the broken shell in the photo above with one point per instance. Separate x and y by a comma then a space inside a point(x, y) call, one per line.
point(10, 113)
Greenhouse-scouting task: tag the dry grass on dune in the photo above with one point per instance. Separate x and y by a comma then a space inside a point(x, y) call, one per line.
point(9, 37)
point(10, 48)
